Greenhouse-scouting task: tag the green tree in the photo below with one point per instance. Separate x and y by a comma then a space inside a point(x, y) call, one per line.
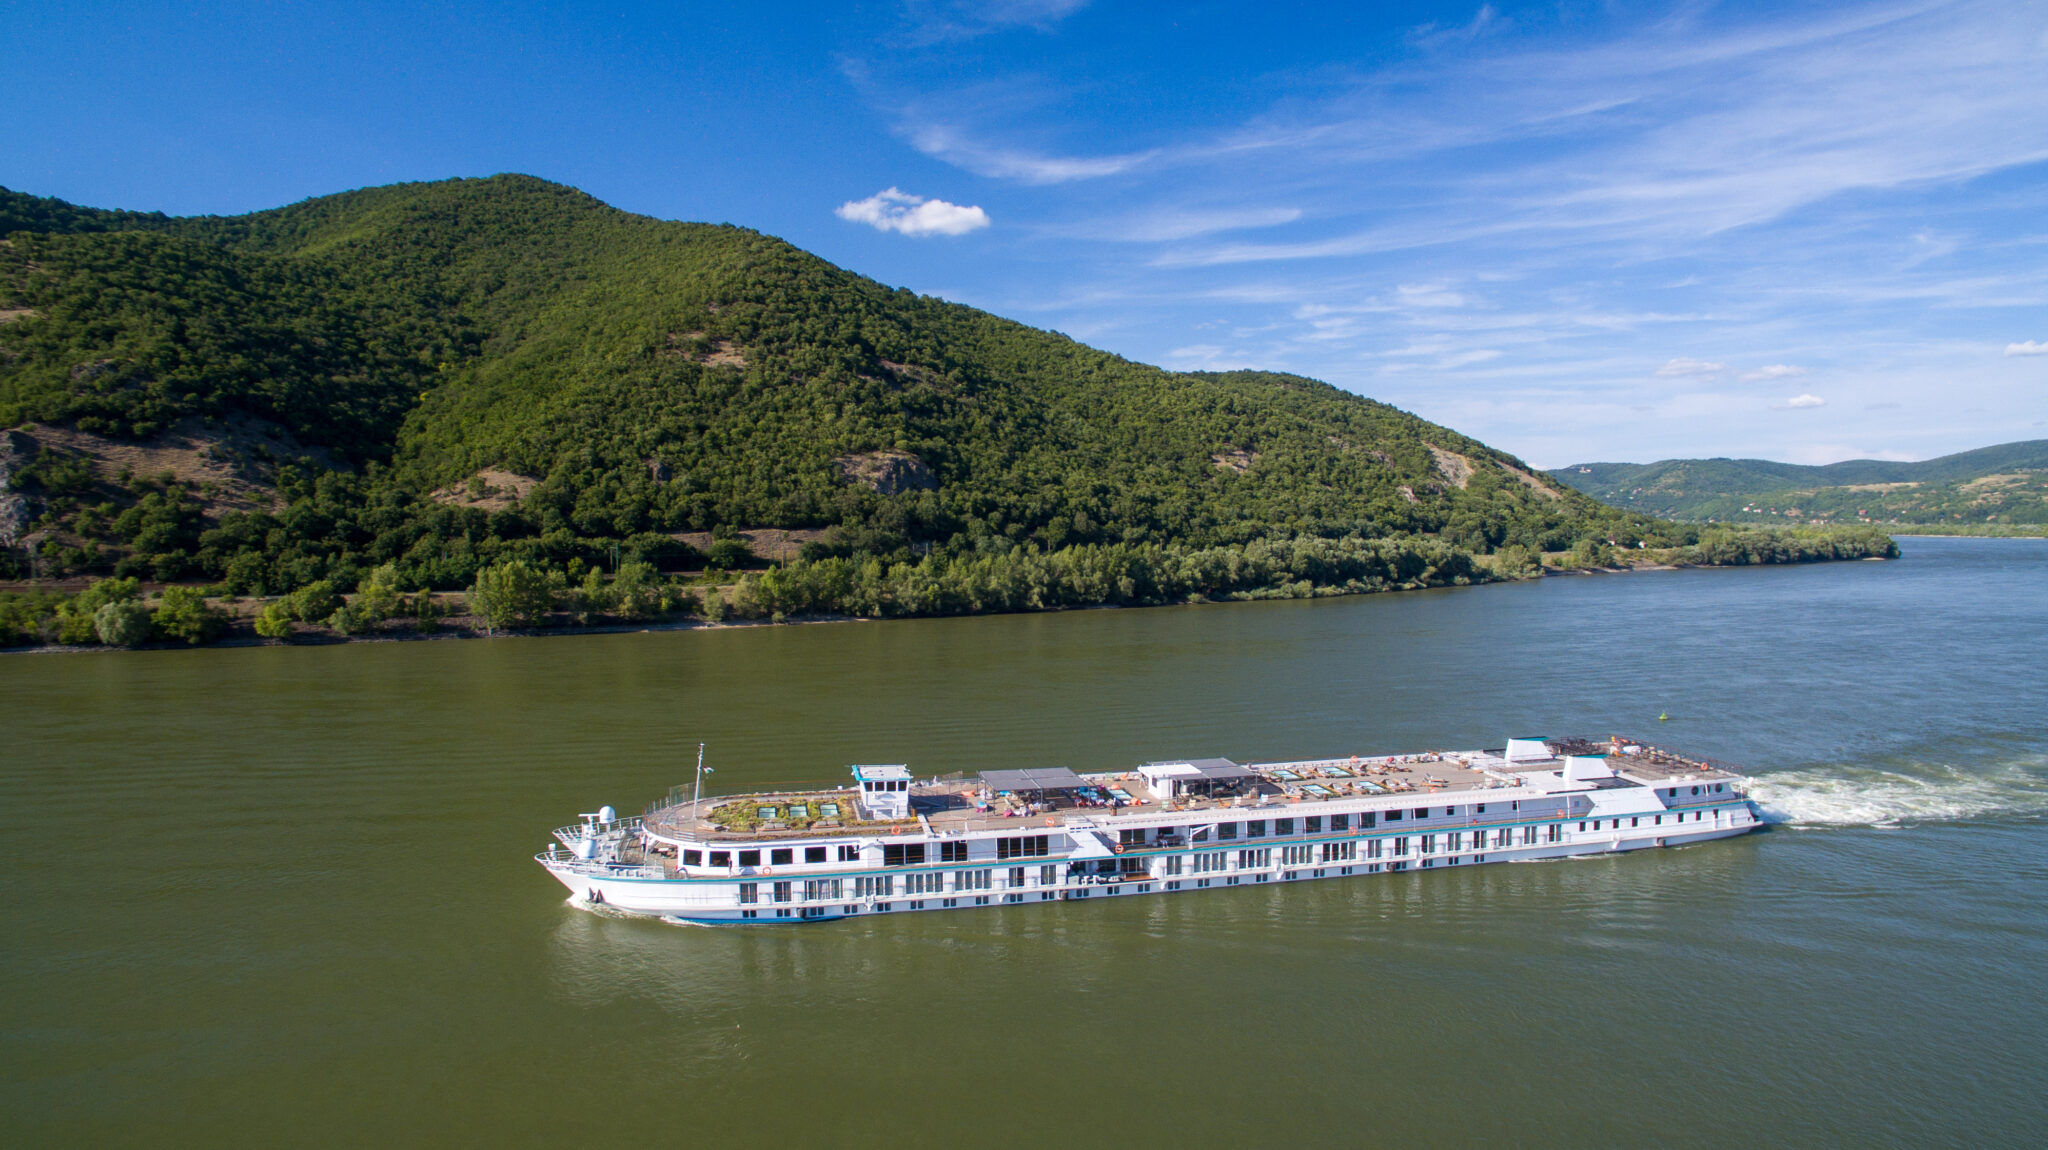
point(376, 596)
point(77, 618)
point(714, 605)
point(276, 620)
point(635, 593)
point(730, 554)
point(184, 616)
point(512, 593)
point(315, 602)
point(124, 623)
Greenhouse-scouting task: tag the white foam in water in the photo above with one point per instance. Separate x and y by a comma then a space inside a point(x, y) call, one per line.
point(1866, 797)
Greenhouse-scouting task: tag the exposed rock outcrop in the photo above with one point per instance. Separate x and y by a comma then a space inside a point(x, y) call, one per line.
point(1455, 467)
point(887, 472)
point(16, 514)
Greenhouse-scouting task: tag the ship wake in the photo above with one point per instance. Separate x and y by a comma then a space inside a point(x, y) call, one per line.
point(1908, 794)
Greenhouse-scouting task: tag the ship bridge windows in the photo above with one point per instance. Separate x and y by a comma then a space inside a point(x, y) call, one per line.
point(693, 858)
point(782, 856)
point(1312, 825)
point(1340, 822)
point(1421, 812)
point(1255, 829)
point(721, 858)
point(953, 852)
point(814, 854)
point(1283, 826)
point(849, 852)
point(750, 858)
point(1226, 830)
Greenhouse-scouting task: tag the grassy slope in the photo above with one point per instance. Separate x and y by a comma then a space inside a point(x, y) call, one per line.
point(2008, 482)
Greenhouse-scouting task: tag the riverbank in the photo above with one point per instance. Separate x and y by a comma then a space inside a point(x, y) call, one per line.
point(435, 616)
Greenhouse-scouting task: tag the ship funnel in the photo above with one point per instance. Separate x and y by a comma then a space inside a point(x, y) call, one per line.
point(1586, 768)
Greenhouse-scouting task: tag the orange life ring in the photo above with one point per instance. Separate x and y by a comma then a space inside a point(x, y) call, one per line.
point(1052, 822)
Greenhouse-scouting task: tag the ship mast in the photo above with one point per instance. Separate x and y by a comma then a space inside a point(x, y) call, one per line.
point(697, 794)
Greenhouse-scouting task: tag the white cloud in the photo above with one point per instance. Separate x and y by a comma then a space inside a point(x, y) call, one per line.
point(943, 142)
point(2028, 348)
point(893, 210)
point(1682, 368)
point(1774, 371)
point(1805, 401)
point(1177, 223)
point(957, 20)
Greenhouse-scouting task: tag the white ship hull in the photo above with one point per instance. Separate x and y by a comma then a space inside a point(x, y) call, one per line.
point(1157, 852)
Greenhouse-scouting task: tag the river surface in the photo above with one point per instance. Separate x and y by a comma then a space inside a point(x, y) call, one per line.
point(284, 896)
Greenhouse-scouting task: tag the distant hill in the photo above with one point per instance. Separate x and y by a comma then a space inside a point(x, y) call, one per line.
point(2006, 484)
point(443, 375)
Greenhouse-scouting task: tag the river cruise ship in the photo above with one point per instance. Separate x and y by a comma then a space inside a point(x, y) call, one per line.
point(891, 843)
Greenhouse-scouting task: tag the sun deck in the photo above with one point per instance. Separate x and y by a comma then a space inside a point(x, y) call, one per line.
point(1015, 801)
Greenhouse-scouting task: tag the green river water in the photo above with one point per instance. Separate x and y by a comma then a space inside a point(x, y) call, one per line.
point(285, 896)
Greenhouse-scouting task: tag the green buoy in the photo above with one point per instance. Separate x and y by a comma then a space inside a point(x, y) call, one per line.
point(1662, 717)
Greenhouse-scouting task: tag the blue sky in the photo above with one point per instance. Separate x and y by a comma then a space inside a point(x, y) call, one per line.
point(1577, 231)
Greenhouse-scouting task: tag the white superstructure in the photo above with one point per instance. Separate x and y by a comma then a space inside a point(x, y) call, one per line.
point(892, 844)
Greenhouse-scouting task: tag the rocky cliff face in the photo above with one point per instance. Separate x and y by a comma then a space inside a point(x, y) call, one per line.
point(17, 514)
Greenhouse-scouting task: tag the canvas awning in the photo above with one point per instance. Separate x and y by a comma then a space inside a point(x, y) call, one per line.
point(1187, 770)
point(1090, 845)
point(1033, 779)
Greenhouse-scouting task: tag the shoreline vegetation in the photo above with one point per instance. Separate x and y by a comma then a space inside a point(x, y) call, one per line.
point(519, 597)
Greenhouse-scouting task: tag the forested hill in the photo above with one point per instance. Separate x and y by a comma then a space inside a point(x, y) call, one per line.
point(2006, 484)
point(440, 376)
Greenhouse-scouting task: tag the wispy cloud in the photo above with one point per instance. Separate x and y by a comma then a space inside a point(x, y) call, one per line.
point(1506, 224)
point(961, 149)
point(1773, 371)
point(893, 210)
point(937, 21)
point(1683, 368)
point(1157, 224)
point(1433, 35)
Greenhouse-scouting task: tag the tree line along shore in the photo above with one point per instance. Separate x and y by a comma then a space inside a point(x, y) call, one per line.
point(517, 595)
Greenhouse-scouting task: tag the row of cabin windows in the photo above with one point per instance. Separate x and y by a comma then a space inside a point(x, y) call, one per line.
point(777, 856)
point(1637, 820)
point(884, 885)
point(914, 854)
point(1718, 788)
point(1316, 824)
point(1311, 825)
point(872, 785)
point(1351, 850)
